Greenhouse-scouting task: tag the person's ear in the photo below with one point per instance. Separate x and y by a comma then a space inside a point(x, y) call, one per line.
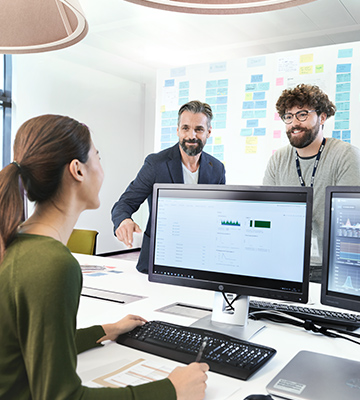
point(323, 118)
point(76, 169)
point(209, 132)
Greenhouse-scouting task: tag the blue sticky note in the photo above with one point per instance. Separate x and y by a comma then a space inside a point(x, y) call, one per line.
point(220, 117)
point(211, 84)
point(342, 124)
point(169, 82)
point(259, 131)
point(261, 104)
point(184, 93)
point(211, 100)
point(218, 67)
point(247, 114)
point(219, 156)
point(164, 145)
point(184, 85)
point(211, 92)
point(342, 115)
point(223, 82)
point(210, 140)
point(256, 62)
point(343, 77)
point(250, 87)
point(263, 86)
point(218, 148)
point(247, 105)
point(246, 132)
point(252, 123)
point(222, 91)
point(345, 53)
point(344, 96)
point(183, 100)
point(166, 138)
point(174, 129)
point(258, 95)
point(165, 131)
point(221, 108)
point(342, 87)
point(221, 100)
point(180, 71)
point(342, 68)
point(346, 135)
point(343, 106)
point(220, 125)
point(260, 114)
point(256, 78)
point(336, 134)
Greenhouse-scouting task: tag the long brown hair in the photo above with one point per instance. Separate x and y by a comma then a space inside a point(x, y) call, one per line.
point(43, 146)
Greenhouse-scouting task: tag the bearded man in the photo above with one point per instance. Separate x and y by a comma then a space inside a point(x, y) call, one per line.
point(311, 159)
point(185, 162)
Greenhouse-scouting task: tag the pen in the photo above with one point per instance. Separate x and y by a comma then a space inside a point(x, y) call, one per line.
point(201, 350)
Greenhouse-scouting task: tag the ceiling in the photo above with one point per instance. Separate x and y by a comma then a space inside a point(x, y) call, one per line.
point(138, 39)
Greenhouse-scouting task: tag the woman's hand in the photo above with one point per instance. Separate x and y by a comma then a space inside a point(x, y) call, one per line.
point(190, 381)
point(128, 323)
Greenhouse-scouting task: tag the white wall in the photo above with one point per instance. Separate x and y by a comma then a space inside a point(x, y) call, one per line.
point(112, 107)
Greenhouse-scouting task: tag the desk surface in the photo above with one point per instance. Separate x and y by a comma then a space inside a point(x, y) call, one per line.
point(287, 340)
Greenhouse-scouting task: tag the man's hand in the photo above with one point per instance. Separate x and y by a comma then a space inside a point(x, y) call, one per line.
point(126, 230)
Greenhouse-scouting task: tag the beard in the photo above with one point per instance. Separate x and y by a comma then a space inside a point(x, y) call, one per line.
point(192, 150)
point(305, 138)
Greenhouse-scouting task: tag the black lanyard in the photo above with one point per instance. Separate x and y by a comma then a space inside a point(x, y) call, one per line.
point(298, 168)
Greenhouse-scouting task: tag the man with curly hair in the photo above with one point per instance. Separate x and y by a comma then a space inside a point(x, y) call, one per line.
point(311, 159)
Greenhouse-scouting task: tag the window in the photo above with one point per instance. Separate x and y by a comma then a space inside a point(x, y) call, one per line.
point(5, 108)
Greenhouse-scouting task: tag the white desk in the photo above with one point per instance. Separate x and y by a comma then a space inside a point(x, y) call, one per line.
point(287, 340)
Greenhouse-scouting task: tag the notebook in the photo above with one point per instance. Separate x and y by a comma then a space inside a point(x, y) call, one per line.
point(315, 376)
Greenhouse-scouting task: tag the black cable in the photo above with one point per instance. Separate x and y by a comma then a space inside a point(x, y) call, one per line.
point(280, 317)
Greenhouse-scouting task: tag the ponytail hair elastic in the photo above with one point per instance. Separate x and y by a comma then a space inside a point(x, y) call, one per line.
point(17, 164)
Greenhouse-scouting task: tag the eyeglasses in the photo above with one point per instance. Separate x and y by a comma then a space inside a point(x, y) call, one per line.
point(300, 116)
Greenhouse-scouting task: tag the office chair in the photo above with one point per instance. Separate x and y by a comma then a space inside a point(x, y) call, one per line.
point(82, 241)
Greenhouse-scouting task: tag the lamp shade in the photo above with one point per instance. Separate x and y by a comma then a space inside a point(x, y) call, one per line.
point(32, 26)
point(220, 7)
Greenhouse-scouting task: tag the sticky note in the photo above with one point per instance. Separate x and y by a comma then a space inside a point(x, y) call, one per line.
point(251, 140)
point(307, 58)
point(250, 149)
point(319, 69)
point(279, 81)
point(306, 70)
point(277, 134)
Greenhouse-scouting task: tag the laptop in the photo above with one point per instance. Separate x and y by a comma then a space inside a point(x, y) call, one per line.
point(315, 376)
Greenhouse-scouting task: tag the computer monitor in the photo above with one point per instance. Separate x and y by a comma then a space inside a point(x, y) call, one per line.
point(234, 240)
point(341, 257)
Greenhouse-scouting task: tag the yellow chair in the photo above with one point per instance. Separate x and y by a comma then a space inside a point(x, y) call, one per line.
point(82, 241)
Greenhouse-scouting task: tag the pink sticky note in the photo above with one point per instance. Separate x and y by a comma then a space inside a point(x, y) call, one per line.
point(277, 134)
point(277, 117)
point(279, 81)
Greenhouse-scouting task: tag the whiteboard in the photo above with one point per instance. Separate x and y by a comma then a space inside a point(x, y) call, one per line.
point(246, 130)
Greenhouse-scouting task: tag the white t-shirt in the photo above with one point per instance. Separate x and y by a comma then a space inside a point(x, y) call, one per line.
point(190, 178)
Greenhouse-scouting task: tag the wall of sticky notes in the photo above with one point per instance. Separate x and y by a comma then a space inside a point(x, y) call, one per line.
point(246, 129)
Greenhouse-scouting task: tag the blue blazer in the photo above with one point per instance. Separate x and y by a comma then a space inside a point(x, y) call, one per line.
point(162, 167)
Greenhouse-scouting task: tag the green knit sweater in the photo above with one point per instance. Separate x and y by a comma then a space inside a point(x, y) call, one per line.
point(40, 285)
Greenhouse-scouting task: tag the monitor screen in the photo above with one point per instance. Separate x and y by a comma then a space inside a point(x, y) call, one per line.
point(247, 240)
point(341, 258)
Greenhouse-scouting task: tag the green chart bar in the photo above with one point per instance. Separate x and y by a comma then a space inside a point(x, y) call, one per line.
point(261, 224)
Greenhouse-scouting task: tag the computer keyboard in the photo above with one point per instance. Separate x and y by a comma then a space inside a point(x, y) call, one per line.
point(224, 354)
point(328, 319)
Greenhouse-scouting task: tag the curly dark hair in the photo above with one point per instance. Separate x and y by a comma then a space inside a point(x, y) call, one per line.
point(305, 95)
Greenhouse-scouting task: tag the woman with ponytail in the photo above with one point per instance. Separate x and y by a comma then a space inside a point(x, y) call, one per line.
point(40, 280)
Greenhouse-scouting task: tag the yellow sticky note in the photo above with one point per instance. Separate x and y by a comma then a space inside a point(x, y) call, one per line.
point(250, 149)
point(306, 70)
point(319, 69)
point(252, 140)
point(218, 140)
point(162, 109)
point(248, 96)
point(306, 58)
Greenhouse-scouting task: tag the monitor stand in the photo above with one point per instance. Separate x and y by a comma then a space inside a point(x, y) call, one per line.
point(231, 321)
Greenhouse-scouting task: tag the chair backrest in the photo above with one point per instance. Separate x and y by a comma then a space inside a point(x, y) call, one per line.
point(82, 241)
